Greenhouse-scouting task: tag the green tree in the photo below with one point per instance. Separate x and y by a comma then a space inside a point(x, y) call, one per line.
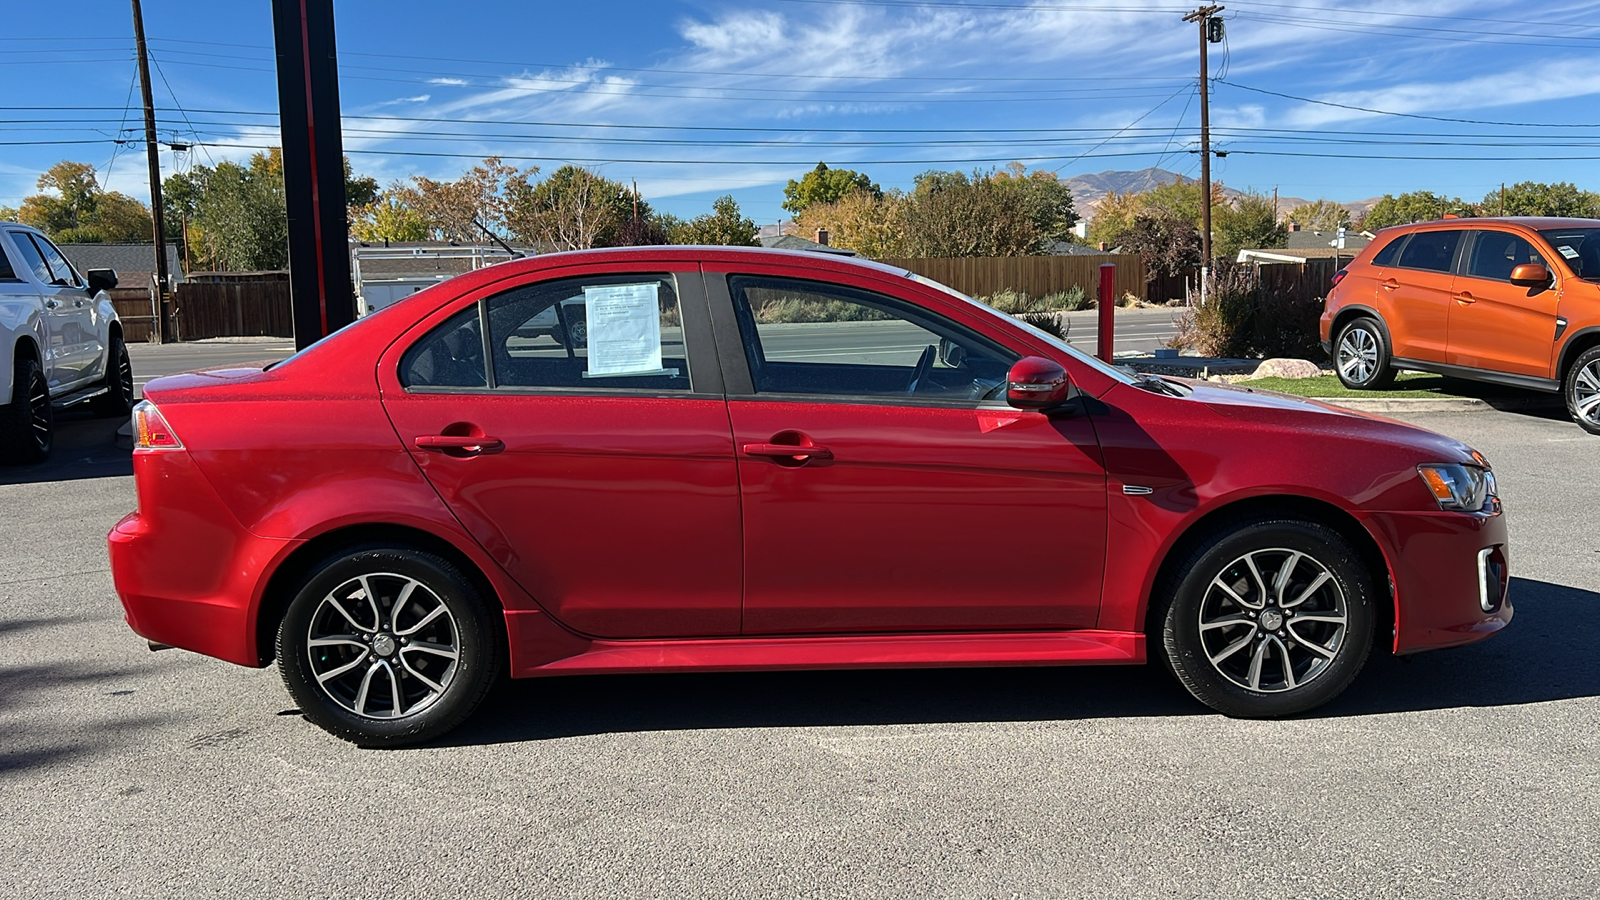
point(73, 209)
point(1182, 199)
point(576, 209)
point(389, 219)
point(1320, 215)
point(1414, 206)
point(1247, 223)
point(825, 185)
point(1047, 201)
point(948, 214)
point(724, 225)
point(872, 226)
point(1532, 198)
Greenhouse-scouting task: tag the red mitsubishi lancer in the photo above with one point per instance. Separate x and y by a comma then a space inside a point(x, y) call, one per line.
point(712, 459)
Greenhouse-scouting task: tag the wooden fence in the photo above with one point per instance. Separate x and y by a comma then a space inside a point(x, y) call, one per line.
point(136, 312)
point(233, 304)
point(1307, 282)
point(1034, 275)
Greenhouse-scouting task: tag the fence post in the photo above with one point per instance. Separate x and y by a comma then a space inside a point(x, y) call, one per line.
point(1107, 304)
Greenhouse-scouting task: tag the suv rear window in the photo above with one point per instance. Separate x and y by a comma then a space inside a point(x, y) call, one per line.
point(1431, 251)
point(1385, 257)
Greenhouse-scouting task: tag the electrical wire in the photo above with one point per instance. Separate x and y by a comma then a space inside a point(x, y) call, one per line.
point(1385, 112)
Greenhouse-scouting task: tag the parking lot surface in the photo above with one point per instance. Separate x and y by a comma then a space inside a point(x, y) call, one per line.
point(1461, 773)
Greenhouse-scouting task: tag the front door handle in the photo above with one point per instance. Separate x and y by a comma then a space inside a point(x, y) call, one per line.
point(461, 444)
point(1465, 298)
point(787, 451)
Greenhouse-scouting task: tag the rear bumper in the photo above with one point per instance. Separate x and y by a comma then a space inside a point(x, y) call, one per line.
point(1443, 578)
point(187, 573)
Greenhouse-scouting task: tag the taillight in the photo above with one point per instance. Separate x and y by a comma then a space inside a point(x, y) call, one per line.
point(1339, 276)
point(151, 431)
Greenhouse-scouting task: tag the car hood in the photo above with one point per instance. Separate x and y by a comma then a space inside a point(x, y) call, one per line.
point(1245, 404)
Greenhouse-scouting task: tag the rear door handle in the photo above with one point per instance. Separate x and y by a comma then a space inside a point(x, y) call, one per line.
point(787, 451)
point(466, 443)
point(1465, 298)
point(1391, 284)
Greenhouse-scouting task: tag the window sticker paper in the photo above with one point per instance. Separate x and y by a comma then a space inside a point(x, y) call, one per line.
point(624, 330)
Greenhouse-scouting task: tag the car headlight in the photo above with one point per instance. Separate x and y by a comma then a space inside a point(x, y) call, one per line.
point(1459, 487)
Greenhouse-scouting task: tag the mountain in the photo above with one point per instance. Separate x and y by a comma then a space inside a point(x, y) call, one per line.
point(1089, 190)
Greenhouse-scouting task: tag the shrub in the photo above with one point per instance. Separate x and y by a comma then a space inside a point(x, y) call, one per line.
point(1071, 300)
point(796, 309)
point(1040, 312)
point(1240, 318)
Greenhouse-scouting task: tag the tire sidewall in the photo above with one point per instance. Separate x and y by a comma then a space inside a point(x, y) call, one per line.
point(1180, 627)
point(19, 443)
point(118, 398)
point(479, 664)
point(1381, 367)
point(1569, 390)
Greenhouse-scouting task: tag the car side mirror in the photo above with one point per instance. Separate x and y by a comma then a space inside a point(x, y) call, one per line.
point(952, 354)
point(101, 280)
point(1037, 383)
point(1530, 275)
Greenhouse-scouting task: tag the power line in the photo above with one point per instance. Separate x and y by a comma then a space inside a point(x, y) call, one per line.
point(1385, 112)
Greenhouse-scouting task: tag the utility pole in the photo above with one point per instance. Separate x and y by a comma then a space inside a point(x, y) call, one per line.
point(1208, 34)
point(152, 152)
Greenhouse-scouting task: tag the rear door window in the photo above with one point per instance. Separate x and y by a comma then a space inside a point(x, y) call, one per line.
point(1431, 251)
point(32, 259)
point(1496, 253)
point(1390, 252)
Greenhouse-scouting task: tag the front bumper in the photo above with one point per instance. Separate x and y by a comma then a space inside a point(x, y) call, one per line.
point(1443, 578)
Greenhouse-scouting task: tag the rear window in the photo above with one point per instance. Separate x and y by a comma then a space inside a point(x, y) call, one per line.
point(1431, 251)
point(1386, 256)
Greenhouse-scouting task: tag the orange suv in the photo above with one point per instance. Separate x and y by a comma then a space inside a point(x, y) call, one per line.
point(1513, 301)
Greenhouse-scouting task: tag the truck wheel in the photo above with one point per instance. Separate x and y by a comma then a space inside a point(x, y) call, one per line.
point(27, 423)
point(117, 401)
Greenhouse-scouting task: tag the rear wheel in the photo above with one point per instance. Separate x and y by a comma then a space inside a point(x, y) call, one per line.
point(1361, 356)
point(388, 646)
point(1270, 618)
point(1582, 390)
point(27, 423)
point(117, 401)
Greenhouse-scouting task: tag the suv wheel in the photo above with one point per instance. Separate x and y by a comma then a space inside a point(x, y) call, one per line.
point(27, 423)
point(388, 646)
point(117, 401)
point(1582, 390)
point(1361, 356)
point(1271, 618)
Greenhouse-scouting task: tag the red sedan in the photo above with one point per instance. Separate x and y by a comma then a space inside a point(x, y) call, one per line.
point(766, 460)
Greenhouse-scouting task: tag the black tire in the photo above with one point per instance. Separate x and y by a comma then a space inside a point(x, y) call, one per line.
point(361, 677)
point(1361, 356)
point(579, 332)
point(27, 423)
point(117, 401)
point(1582, 390)
point(1219, 661)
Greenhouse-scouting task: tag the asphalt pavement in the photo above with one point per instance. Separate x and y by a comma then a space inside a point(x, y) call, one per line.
point(1463, 773)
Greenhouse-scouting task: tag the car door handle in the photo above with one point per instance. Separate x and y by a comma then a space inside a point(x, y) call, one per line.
point(1465, 298)
point(1391, 284)
point(470, 444)
point(78, 303)
point(52, 303)
point(787, 451)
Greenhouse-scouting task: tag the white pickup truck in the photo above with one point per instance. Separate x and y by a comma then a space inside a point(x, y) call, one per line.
point(60, 343)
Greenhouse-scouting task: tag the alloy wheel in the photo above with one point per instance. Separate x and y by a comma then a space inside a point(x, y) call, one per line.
point(1586, 393)
point(125, 375)
point(1273, 620)
point(383, 646)
point(1358, 355)
point(39, 412)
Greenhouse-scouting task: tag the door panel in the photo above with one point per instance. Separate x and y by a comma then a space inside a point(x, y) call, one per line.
point(1419, 288)
point(616, 508)
point(1495, 324)
point(913, 523)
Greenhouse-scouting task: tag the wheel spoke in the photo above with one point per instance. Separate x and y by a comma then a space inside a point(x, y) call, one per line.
point(396, 699)
point(1227, 622)
point(335, 673)
point(1589, 377)
point(1261, 583)
point(1233, 595)
point(1313, 646)
point(1587, 406)
point(435, 649)
point(338, 605)
point(422, 623)
point(1280, 583)
point(1288, 665)
point(372, 601)
point(1255, 666)
point(1319, 581)
point(1231, 649)
point(399, 604)
point(366, 686)
point(338, 640)
point(419, 676)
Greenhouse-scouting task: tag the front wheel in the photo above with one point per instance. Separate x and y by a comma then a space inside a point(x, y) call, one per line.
point(1270, 618)
point(388, 646)
point(1582, 390)
point(1361, 356)
point(117, 401)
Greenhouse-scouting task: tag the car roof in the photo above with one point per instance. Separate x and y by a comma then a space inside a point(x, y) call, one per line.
point(709, 253)
point(1537, 223)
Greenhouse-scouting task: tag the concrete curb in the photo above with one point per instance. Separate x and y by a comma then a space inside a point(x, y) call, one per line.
point(1404, 405)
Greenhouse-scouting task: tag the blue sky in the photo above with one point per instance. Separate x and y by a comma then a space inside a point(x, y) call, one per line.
point(888, 87)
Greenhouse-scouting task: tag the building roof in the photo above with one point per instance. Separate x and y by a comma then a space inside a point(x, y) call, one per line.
point(1312, 240)
point(134, 263)
point(792, 242)
point(1068, 248)
point(429, 259)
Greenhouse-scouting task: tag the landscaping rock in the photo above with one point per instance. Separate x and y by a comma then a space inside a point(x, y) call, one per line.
point(1287, 368)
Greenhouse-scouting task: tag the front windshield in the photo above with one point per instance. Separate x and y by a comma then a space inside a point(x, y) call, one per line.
point(1109, 370)
point(1580, 247)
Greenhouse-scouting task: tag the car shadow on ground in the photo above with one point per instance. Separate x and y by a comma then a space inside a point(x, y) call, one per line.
point(85, 447)
point(1543, 656)
point(1533, 404)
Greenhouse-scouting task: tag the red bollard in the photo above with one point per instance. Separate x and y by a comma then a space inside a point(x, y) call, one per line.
point(1107, 302)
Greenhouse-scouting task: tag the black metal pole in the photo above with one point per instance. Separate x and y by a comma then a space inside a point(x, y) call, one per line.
point(313, 169)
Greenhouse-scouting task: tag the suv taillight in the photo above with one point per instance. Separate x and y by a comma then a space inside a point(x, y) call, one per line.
point(151, 431)
point(1339, 276)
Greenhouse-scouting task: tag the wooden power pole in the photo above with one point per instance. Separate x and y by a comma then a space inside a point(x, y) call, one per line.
point(1203, 16)
point(152, 152)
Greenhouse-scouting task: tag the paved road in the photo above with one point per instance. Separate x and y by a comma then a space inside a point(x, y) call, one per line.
point(1464, 773)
